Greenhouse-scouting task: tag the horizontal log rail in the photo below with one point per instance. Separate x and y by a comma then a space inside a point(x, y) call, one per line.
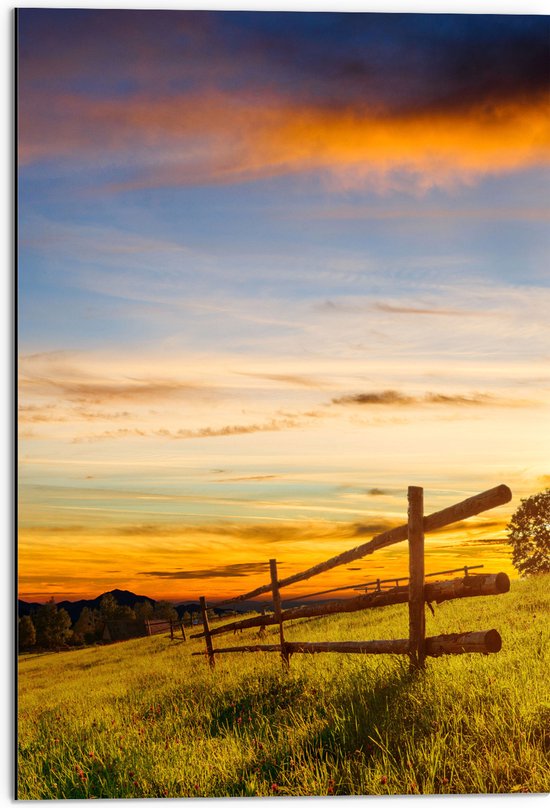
point(378, 583)
point(480, 642)
point(438, 592)
point(454, 513)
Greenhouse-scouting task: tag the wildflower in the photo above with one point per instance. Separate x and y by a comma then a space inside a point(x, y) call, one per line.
point(444, 781)
point(384, 779)
point(274, 787)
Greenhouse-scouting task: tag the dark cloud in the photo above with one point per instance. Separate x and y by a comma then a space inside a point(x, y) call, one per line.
point(394, 397)
point(385, 397)
point(440, 398)
point(395, 61)
point(376, 492)
point(373, 528)
point(96, 392)
point(389, 65)
point(228, 571)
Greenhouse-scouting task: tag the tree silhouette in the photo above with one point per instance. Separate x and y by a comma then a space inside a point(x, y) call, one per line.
point(143, 610)
point(164, 610)
point(53, 625)
point(108, 607)
point(27, 633)
point(529, 534)
point(85, 626)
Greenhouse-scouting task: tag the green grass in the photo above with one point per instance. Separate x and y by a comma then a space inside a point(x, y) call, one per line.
point(144, 718)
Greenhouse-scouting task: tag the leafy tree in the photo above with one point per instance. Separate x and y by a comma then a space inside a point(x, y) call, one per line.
point(53, 625)
point(125, 613)
point(529, 534)
point(187, 618)
point(165, 611)
point(85, 626)
point(108, 607)
point(27, 633)
point(144, 610)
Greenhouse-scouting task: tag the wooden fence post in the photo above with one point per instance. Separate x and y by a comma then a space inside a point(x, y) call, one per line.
point(171, 630)
point(148, 627)
point(183, 631)
point(285, 657)
point(207, 637)
point(417, 617)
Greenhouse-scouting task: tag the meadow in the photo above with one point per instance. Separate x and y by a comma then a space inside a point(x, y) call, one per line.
point(145, 718)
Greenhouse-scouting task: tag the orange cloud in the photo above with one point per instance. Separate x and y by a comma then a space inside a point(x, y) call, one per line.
point(222, 138)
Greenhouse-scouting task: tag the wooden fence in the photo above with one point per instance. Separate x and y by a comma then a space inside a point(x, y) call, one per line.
point(163, 626)
point(416, 593)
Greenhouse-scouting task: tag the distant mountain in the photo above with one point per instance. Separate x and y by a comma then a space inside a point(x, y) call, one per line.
point(125, 598)
point(74, 607)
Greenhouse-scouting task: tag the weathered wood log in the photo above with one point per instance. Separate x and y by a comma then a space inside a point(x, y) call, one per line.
point(437, 591)
point(454, 513)
point(207, 637)
point(480, 642)
point(468, 587)
point(417, 618)
point(238, 625)
point(469, 642)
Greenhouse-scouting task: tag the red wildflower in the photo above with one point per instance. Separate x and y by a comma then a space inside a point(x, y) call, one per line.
point(383, 779)
point(274, 787)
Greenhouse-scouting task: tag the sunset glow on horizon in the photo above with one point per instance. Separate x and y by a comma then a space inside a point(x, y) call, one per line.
point(273, 269)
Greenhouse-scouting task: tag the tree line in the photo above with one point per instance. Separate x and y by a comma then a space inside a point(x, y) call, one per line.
point(51, 628)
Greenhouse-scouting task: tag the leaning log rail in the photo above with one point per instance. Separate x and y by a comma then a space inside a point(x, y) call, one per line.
point(417, 593)
point(455, 513)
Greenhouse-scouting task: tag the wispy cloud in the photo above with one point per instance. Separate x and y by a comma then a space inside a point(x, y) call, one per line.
point(395, 397)
point(273, 425)
point(432, 311)
point(228, 571)
point(476, 214)
point(286, 378)
point(97, 392)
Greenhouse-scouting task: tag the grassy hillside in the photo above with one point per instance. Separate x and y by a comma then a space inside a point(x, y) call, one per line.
point(144, 718)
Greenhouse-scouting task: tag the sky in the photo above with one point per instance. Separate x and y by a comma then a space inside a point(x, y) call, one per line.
point(273, 268)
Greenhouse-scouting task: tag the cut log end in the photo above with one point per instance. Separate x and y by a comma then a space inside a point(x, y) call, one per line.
point(493, 641)
point(470, 642)
point(502, 583)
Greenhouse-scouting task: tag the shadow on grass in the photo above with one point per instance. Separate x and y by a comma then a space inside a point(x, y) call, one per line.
point(349, 730)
